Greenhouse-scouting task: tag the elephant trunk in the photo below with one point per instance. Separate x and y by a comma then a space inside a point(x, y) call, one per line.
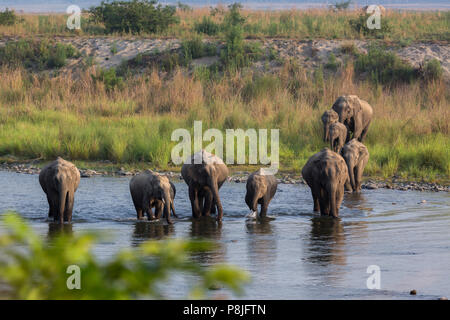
point(62, 198)
point(167, 206)
point(351, 173)
point(326, 134)
point(215, 191)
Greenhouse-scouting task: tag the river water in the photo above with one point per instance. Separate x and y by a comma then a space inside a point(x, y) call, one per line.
point(297, 255)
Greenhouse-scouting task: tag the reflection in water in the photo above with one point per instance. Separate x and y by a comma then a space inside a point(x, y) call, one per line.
point(144, 230)
point(56, 229)
point(325, 250)
point(327, 241)
point(356, 202)
point(261, 244)
point(207, 228)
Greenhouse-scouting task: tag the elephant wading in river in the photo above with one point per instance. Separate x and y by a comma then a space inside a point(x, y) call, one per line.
point(261, 187)
point(60, 180)
point(338, 136)
point(326, 174)
point(328, 118)
point(204, 173)
point(356, 156)
point(355, 113)
point(150, 189)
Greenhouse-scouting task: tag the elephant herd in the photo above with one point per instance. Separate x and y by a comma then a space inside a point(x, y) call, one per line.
point(328, 173)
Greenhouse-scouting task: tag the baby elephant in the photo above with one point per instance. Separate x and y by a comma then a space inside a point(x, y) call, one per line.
point(338, 136)
point(261, 187)
point(326, 174)
point(159, 204)
point(328, 117)
point(150, 189)
point(60, 180)
point(356, 156)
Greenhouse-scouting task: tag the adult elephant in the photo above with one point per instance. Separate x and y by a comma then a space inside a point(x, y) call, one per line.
point(204, 173)
point(326, 174)
point(60, 180)
point(150, 189)
point(355, 113)
point(261, 188)
point(328, 118)
point(356, 156)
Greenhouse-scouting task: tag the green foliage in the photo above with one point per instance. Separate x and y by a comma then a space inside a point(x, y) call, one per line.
point(432, 70)
point(207, 26)
point(36, 269)
point(184, 7)
point(195, 48)
point(344, 5)
point(359, 25)
point(136, 16)
point(8, 18)
point(36, 54)
point(384, 67)
point(332, 63)
point(109, 78)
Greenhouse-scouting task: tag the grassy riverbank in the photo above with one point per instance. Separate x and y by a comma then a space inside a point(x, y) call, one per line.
point(83, 120)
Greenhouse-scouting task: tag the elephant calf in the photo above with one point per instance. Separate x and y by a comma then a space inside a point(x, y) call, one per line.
point(261, 188)
point(338, 136)
point(328, 118)
point(60, 180)
point(326, 174)
point(150, 189)
point(356, 156)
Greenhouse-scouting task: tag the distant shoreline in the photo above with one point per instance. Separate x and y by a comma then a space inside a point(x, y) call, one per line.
point(265, 6)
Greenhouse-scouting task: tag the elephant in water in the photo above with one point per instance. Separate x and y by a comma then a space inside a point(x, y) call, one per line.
point(60, 180)
point(150, 189)
point(338, 136)
point(261, 188)
point(328, 118)
point(326, 174)
point(159, 204)
point(356, 156)
point(204, 173)
point(355, 113)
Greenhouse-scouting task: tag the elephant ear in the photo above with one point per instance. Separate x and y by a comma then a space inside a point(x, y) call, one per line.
point(356, 106)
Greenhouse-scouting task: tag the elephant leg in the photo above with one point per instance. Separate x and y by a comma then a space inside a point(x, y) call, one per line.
point(139, 213)
point(150, 215)
point(339, 198)
point(364, 133)
point(69, 206)
point(193, 196)
point(173, 209)
point(324, 202)
point(315, 190)
point(358, 176)
point(333, 194)
point(53, 205)
point(145, 206)
point(264, 206)
point(208, 204)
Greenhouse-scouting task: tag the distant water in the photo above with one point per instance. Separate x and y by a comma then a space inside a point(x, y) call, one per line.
point(61, 5)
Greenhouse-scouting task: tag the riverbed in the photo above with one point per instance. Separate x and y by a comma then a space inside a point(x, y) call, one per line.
point(295, 255)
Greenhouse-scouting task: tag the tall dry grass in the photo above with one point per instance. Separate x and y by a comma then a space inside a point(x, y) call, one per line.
point(77, 117)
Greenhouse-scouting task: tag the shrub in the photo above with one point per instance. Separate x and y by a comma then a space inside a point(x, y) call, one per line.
point(359, 25)
point(109, 78)
point(432, 70)
point(36, 54)
point(36, 269)
point(134, 16)
point(8, 18)
point(384, 66)
point(207, 26)
point(332, 63)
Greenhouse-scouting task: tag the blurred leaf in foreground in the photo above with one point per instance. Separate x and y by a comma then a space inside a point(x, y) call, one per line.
point(36, 269)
